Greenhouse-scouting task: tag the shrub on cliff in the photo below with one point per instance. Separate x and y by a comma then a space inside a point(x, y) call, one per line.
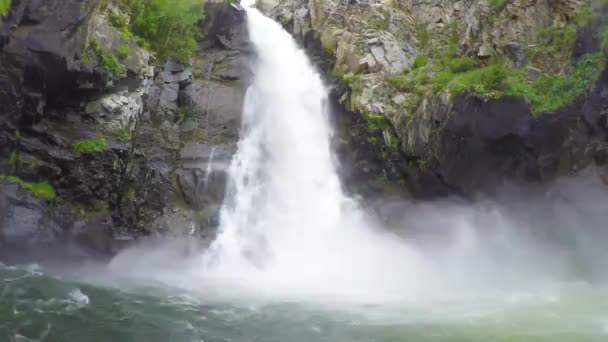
point(169, 27)
point(4, 6)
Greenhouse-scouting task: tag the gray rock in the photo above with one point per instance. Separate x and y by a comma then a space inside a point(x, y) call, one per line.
point(398, 99)
point(168, 97)
point(175, 77)
point(115, 111)
point(367, 63)
point(301, 24)
point(532, 73)
point(485, 50)
point(172, 67)
point(515, 53)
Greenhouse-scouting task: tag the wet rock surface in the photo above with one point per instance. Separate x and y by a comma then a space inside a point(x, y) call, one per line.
point(55, 93)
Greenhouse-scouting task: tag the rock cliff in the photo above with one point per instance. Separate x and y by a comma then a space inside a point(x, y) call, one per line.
point(100, 142)
point(468, 94)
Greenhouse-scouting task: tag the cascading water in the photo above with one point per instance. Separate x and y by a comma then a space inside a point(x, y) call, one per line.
point(296, 258)
point(286, 224)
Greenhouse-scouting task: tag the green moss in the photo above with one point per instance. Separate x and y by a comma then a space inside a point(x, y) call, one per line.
point(604, 38)
point(393, 146)
point(12, 160)
point(463, 64)
point(123, 134)
point(123, 51)
point(497, 5)
point(422, 36)
point(553, 48)
point(551, 92)
point(583, 15)
point(328, 51)
point(38, 189)
point(90, 145)
point(109, 63)
point(376, 121)
point(170, 27)
point(419, 62)
point(351, 81)
point(403, 83)
point(182, 114)
point(382, 23)
point(490, 80)
point(5, 5)
point(118, 21)
point(87, 211)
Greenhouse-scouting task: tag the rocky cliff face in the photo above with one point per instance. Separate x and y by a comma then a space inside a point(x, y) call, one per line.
point(455, 93)
point(98, 142)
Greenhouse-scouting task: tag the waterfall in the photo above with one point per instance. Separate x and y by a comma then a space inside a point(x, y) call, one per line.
point(286, 225)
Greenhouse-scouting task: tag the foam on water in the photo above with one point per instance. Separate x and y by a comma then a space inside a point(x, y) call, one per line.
point(287, 228)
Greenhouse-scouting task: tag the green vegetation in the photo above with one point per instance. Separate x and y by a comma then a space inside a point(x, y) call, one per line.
point(109, 63)
point(419, 62)
point(118, 21)
point(91, 145)
point(382, 24)
point(583, 15)
point(604, 39)
point(376, 121)
point(123, 51)
point(168, 27)
point(181, 115)
point(559, 84)
point(550, 92)
point(350, 80)
point(422, 36)
point(123, 134)
point(463, 64)
point(553, 48)
point(12, 160)
point(328, 52)
point(497, 5)
point(5, 5)
point(547, 93)
point(39, 189)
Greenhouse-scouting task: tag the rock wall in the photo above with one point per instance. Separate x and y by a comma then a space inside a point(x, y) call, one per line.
point(163, 133)
point(440, 144)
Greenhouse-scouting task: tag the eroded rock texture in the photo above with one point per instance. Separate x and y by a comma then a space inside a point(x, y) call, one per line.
point(158, 123)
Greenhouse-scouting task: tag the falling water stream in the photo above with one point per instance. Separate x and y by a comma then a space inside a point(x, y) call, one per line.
point(298, 260)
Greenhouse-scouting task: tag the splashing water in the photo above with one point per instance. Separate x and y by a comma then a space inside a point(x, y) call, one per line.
point(288, 232)
point(287, 225)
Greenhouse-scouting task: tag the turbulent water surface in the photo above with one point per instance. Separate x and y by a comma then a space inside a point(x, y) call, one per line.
point(298, 260)
point(42, 308)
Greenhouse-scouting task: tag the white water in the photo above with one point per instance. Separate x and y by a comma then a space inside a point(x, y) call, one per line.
point(287, 227)
point(288, 231)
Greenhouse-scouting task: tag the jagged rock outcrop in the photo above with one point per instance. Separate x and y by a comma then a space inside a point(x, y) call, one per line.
point(468, 143)
point(198, 114)
point(107, 133)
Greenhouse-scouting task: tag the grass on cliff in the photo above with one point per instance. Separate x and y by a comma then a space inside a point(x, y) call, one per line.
point(5, 5)
point(547, 93)
point(497, 5)
point(561, 81)
point(168, 27)
point(38, 189)
point(94, 145)
point(376, 121)
point(108, 61)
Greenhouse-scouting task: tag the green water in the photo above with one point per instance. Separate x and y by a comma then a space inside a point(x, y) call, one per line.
point(39, 307)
